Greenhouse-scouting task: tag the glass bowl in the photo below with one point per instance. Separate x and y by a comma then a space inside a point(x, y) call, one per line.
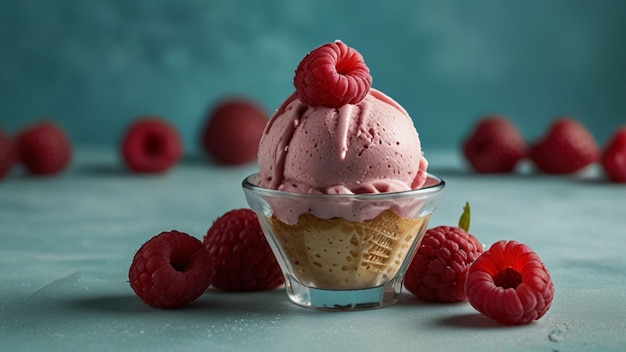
point(340, 251)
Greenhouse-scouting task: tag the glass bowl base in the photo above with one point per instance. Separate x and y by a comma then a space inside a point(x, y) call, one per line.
point(344, 300)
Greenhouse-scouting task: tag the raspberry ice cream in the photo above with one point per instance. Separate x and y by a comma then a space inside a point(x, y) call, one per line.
point(342, 195)
point(370, 146)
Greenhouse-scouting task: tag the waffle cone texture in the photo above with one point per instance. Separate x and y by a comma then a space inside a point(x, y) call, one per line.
point(338, 254)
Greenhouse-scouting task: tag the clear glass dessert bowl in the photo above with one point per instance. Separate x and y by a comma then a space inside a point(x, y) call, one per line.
point(344, 251)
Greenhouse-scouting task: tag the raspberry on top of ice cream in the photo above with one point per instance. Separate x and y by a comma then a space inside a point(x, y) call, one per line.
point(337, 135)
point(332, 75)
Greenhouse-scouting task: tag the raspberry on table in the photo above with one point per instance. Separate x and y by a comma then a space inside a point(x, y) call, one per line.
point(151, 145)
point(7, 154)
point(243, 259)
point(614, 156)
point(170, 270)
point(438, 270)
point(232, 133)
point(566, 148)
point(332, 75)
point(44, 148)
point(510, 284)
point(495, 145)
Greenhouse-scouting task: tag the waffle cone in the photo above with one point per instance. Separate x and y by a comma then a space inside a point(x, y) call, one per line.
point(339, 254)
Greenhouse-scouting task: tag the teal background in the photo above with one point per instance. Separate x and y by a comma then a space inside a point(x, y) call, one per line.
point(93, 66)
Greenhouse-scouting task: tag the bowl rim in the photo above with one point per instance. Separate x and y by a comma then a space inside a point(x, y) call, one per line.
point(422, 192)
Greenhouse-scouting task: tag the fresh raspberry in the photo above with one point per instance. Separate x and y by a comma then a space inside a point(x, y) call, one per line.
point(510, 284)
point(495, 145)
point(437, 271)
point(44, 148)
point(243, 259)
point(151, 145)
point(170, 270)
point(7, 154)
point(233, 131)
point(568, 147)
point(614, 156)
point(332, 75)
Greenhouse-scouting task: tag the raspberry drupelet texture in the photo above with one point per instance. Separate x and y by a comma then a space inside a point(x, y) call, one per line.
point(437, 272)
point(510, 284)
point(332, 75)
point(243, 259)
point(151, 145)
point(172, 269)
point(44, 149)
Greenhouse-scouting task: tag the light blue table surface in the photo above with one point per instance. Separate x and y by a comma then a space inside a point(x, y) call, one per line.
point(66, 244)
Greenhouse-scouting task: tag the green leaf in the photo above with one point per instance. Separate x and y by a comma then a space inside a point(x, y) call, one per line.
point(464, 221)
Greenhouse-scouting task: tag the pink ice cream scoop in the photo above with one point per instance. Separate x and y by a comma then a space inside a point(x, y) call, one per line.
point(369, 147)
